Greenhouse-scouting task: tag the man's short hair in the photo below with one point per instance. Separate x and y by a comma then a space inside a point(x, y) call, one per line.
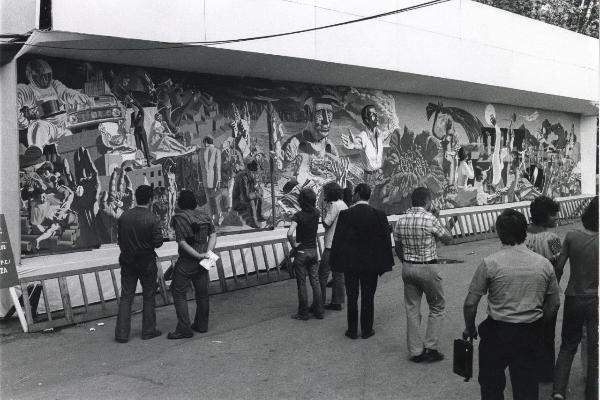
point(187, 200)
point(511, 227)
point(307, 200)
point(332, 191)
point(420, 196)
point(590, 215)
point(252, 166)
point(364, 191)
point(143, 195)
point(363, 112)
point(542, 208)
point(208, 140)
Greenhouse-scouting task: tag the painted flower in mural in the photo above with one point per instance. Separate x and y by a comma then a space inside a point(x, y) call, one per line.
point(410, 163)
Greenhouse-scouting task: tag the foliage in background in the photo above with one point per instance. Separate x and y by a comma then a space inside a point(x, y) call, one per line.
point(580, 16)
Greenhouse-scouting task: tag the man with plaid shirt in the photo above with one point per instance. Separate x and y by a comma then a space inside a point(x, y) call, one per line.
point(415, 235)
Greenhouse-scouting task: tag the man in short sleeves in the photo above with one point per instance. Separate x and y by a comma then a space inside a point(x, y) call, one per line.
point(522, 290)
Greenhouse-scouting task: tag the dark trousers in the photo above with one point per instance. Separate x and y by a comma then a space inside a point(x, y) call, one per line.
point(337, 291)
point(546, 355)
point(305, 264)
point(509, 345)
point(579, 313)
point(186, 271)
point(141, 142)
point(145, 271)
point(366, 284)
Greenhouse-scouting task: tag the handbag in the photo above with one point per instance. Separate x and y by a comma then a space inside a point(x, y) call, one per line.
point(463, 358)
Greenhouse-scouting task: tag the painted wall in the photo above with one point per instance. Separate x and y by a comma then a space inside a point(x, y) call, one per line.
point(452, 40)
point(89, 134)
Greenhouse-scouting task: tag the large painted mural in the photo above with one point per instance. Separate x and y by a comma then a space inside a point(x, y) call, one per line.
point(91, 133)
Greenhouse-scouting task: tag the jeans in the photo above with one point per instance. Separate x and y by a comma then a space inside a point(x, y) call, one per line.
point(578, 312)
point(337, 292)
point(146, 271)
point(187, 270)
point(305, 264)
point(367, 284)
point(419, 279)
point(509, 345)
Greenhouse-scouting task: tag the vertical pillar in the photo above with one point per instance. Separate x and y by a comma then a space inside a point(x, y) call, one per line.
point(9, 155)
point(588, 137)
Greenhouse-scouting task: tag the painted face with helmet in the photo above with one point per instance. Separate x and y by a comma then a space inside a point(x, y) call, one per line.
point(39, 73)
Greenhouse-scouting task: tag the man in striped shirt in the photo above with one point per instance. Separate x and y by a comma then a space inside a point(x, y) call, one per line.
point(415, 235)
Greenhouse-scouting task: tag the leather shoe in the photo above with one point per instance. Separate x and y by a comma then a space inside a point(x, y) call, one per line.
point(319, 316)
point(368, 334)
point(433, 355)
point(421, 357)
point(351, 335)
point(197, 329)
point(154, 334)
point(334, 307)
point(178, 335)
point(119, 340)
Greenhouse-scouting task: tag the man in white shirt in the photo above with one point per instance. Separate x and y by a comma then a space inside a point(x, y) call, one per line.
point(370, 141)
point(332, 193)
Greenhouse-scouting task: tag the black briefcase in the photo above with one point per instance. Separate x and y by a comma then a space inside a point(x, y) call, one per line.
point(463, 358)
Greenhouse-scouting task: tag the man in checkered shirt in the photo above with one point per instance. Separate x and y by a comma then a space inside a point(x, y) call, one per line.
point(415, 235)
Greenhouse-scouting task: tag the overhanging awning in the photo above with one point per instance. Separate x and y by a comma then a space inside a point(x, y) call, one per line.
point(205, 59)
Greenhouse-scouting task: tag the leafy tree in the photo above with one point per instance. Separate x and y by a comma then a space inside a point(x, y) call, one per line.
point(576, 15)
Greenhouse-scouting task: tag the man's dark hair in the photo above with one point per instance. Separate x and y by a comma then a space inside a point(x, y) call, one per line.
point(307, 199)
point(187, 200)
point(542, 208)
point(363, 190)
point(252, 166)
point(207, 140)
point(590, 215)
point(511, 226)
point(420, 196)
point(363, 112)
point(332, 191)
point(143, 195)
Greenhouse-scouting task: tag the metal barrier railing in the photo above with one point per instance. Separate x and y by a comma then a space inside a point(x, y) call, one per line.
point(239, 266)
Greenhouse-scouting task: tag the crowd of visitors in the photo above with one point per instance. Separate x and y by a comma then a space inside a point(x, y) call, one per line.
point(520, 280)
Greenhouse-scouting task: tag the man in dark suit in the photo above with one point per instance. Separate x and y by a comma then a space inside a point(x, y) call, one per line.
point(139, 234)
point(362, 250)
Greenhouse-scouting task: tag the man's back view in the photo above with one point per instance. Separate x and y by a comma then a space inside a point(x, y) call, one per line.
point(139, 234)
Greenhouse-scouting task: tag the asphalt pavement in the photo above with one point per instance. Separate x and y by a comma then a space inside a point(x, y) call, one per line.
point(254, 350)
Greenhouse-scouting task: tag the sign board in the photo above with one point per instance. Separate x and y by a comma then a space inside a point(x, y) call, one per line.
point(8, 269)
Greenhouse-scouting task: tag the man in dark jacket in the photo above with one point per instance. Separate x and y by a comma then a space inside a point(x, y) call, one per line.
point(139, 234)
point(362, 250)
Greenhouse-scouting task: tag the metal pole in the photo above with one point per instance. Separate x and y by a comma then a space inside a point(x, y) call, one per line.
point(270, 130)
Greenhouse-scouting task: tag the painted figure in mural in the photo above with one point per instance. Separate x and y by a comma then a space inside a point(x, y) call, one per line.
point(464, 170)
point(240, 131)
point(42, 103)
point(162, 142)
point(139, 132)
point(370, 142)
point(86, 196)
point(211, 176)
point(172, 190)
point(114, 202)
point(309, 151)
point(161, 208)
point(248, 194)
point(164, 90)
point(115, 138)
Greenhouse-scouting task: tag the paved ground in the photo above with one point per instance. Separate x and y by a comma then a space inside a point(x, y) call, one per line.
point(254, 350)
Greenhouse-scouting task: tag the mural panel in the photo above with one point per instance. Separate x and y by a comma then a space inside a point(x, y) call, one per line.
point(91, 133)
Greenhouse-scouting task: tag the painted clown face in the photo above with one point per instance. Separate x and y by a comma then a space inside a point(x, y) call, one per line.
point(322, 117)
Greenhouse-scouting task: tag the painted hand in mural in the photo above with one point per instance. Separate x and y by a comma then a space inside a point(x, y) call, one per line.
point(240, 130)
point(348, 140)
point(340, 170)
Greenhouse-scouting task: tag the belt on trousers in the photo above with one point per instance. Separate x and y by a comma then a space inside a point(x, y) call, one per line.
point(421, 262)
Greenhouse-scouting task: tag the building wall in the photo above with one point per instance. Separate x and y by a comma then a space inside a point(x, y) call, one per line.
point(454, 40)
point(447, 145)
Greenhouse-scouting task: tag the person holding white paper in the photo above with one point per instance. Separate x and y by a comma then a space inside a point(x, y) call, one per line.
point(196, 239)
